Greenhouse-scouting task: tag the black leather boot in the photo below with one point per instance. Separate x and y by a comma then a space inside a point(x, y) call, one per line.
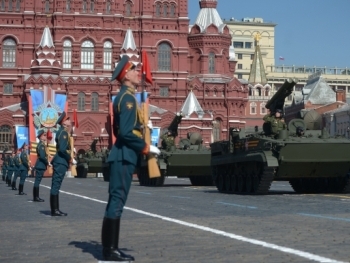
point(36, 197)
point(8, 182)
point(110, 241)
point(55, 211)
point(14, 186)
point(20, 190)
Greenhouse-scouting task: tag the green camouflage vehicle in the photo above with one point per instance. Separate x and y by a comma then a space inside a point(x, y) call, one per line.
point(312, 162)
point(189, 160)
point(93, 162)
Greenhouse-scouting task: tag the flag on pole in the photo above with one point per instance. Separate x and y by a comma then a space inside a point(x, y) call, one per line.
point(281, 58)
point(75, 118)
point(146, 70)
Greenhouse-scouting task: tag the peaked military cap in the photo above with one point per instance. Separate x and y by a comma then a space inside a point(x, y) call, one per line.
point(41, 132)
point(62, 118)
point(24, 144)
point(124, 65)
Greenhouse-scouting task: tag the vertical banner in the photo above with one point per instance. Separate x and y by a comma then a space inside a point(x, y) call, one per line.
point(60, 101)
point(22, 135)
point(155, 136)
point(45, 107)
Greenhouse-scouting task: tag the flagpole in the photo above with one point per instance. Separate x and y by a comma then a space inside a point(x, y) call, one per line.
point(152, 163)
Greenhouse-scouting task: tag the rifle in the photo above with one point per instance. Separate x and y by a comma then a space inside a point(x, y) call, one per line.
point(153, 168)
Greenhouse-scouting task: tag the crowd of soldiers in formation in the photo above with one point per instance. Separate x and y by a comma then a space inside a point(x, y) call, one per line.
point(16, 164)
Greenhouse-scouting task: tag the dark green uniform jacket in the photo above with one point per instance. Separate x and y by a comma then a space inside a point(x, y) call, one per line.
point(276, 123)
point(63, 154)
point(41, 162)
point(24, 161)
point(126, 128)
point(11, 164)
point(17, 161)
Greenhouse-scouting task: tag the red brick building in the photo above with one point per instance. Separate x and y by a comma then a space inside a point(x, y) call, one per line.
point(71, 47)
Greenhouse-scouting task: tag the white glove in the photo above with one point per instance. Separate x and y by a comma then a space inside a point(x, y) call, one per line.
point(50, 164)
point(153, 149)
point(150, 125)
point(74, 161)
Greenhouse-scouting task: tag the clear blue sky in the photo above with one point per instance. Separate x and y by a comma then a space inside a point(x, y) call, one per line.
point(308, 32)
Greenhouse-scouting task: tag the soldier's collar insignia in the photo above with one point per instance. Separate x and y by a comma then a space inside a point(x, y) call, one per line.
point(129, 105)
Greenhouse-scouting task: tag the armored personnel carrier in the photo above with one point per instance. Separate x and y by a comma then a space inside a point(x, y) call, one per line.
point(92, 162)
point(312, 162)
point(189, 160)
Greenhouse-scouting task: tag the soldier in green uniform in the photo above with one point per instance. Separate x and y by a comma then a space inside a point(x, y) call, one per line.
point(61, 162)
point(4, 165)
point(276, 121)
point(10, 168)
point(40, 165)
point(24, 168)
point(16, 172)
point(168, 140)
point(123, 157)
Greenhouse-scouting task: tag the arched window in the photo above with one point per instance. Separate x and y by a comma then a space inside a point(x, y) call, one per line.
point(211, 61)
point(8, 88)
point(94, 101)
point(216, 130)
point(258, 90)
point(158, 7)
point(18, 5)
point(108, 7)
point(67, 54)
point(267, 92)
point(128, 8)
point(68, 6)
point(84, 6)
point(253, 108)
point(107, 55)
point(164, 57)
point(5, 137)
point(262, 108)
point(81, 101)
point(2, 5)
point(165, 10)
point(172, 10)
point(47, 6)
point(10, 5)
point(9, 53)
point(251, 91)
point(92, 6)
point(87, 55)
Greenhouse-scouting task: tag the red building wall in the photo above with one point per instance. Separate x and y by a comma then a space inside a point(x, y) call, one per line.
point(26, 25)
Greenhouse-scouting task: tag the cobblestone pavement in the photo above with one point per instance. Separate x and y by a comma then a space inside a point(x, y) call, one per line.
point(176, 223)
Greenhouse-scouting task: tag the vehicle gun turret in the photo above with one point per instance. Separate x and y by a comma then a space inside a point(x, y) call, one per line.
point(277, 100)
point(174, 125)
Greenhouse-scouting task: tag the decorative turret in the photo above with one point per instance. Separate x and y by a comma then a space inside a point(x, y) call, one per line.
point(46, 61)
point(192, 105)
point(232, 60)
point(208, 15)
point(257, 73)
point(208, 4)
point(129, 47)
